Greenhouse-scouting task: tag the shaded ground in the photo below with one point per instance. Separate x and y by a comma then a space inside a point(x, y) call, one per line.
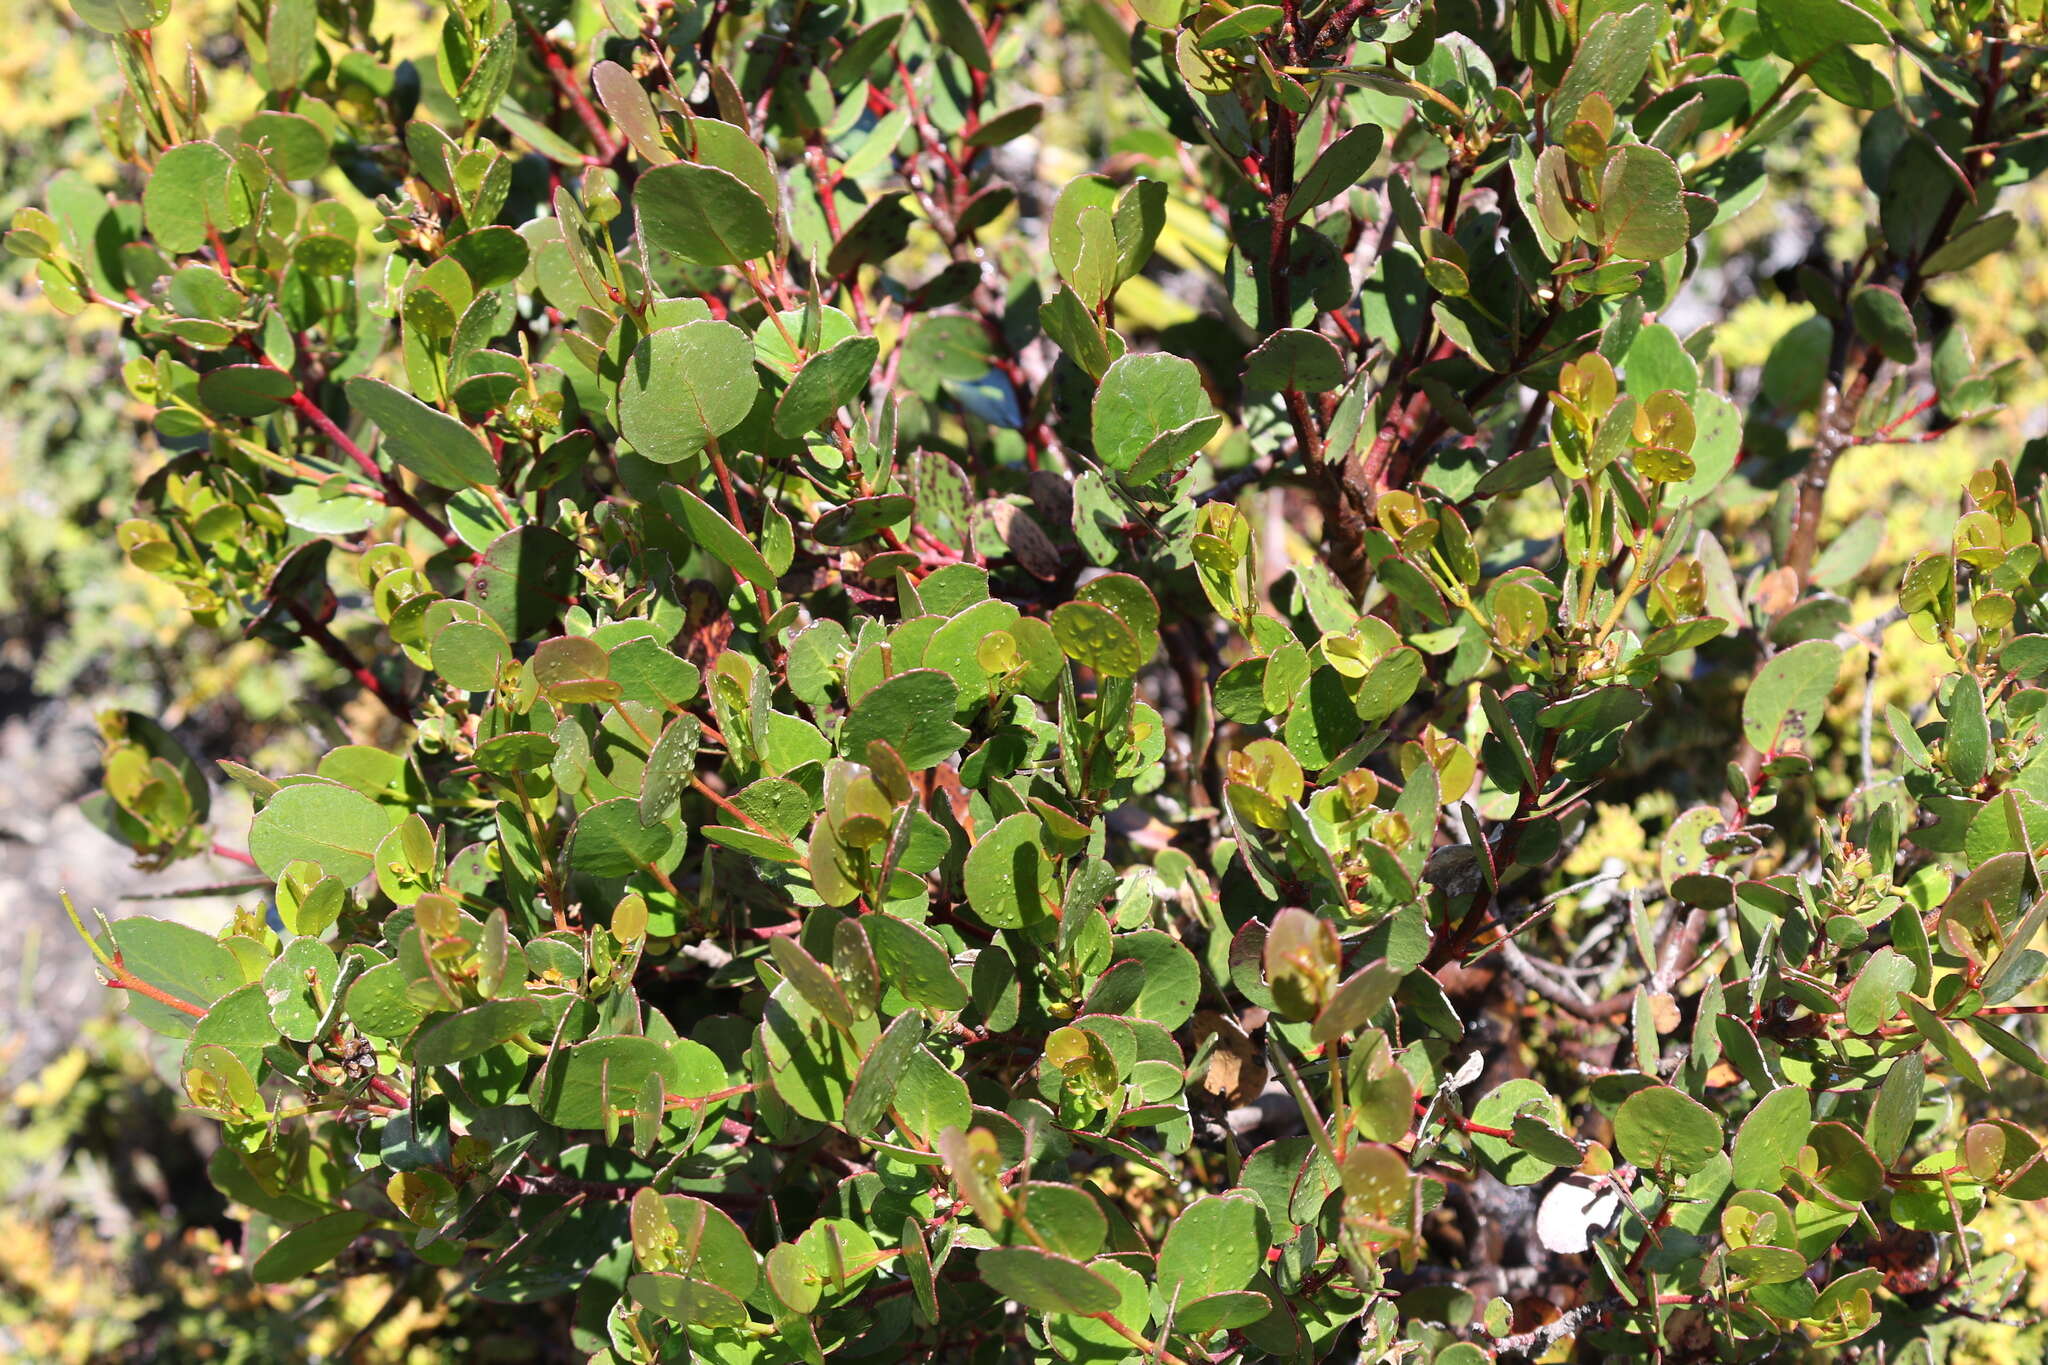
point(49, 758)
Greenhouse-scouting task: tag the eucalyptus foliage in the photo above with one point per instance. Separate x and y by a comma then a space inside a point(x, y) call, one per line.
point(890, 754)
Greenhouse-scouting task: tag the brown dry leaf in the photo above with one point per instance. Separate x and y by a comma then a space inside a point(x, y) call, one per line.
point(947, 779)
point(1052, 497)
point(1237, 1068)
point(1776, 591)
point(1028, 542)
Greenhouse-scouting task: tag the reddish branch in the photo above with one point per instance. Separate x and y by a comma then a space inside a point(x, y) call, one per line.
point(121, 979)
point(1844, 401)
point(390, 1093)
point(572, 90)
point(1451, 946)
point(316, 630)
point(1465, 1125)
point(394, 491)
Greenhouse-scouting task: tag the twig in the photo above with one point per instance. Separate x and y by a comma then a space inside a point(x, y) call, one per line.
point(1566, 997)
point(236, 855)
point(390, 1093)
point(1535, 1343)
point(316, 630)
point(572, 90)
point(394, 491)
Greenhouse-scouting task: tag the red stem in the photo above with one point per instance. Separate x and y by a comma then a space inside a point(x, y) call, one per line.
point(572, 90)
point(316, 630)
point(125, 980)
point(233, 855)
point(394, 491)
point(390, 1093)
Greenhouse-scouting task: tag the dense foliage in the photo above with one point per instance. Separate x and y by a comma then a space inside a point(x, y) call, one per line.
point(975, 773)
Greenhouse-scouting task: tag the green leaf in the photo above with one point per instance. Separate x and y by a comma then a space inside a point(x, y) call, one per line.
point(1342, 164)
point(682, 1235)
point(810, 1063)
point(1292, 358)
point(912, 712)
point(630, 108)
point(860, 518)
point(1770, 1138)
point(192, 188)
point(732, 149)
point(335, 828)
point(1045, 1283)
point(931, 1099)
point(1151, 415)
point(720, 539)
point(1007, 126)
point(754, 845)
point(299, 984)
point(1075, 330)
point(584, 1081)
point(703, 215)
point(1935, 1030)
point(240, 1022)
point(1612, 57)
point(378, 1003)
point(1171, 981)
point(1163, 13)
point(915, 963)
point(296, 148)
point(1136, 216)
point(1816, 33)
point(790, 1279)
point(1797, 29)
point(119, 16)
point(1883, 319)
point(670, 766)
point(525, 580)
point(680, 1298)
point(685, 387)
point(1897, 1105)
point(1642, 208)
point(827, 382)
point(1848, 553)
point(1874, 997)
point(308, 1246)
point(1788, 696)
point(1969, 732)
point(1214, 1246)
point(881, 1073)
point(1662, 1129)
point(1002, 873)
point(1356, 1000)
point(177, 960)
point(245, 390)
point(2018, 964)
point(819, 988)
point(1062, 1215)
point(879, 233)
point(1247, 22)
point(1991, 233)
point(457, 1037)
point(608, 840)
point(433, 445)
point(958, 29)
point(1509, 1160)
point(1098, 638)
point(1093, 275)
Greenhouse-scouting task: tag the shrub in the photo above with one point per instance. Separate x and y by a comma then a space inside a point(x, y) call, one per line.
point(981, 770)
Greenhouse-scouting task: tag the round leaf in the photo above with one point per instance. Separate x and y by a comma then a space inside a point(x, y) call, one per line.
point(1663, 1129)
